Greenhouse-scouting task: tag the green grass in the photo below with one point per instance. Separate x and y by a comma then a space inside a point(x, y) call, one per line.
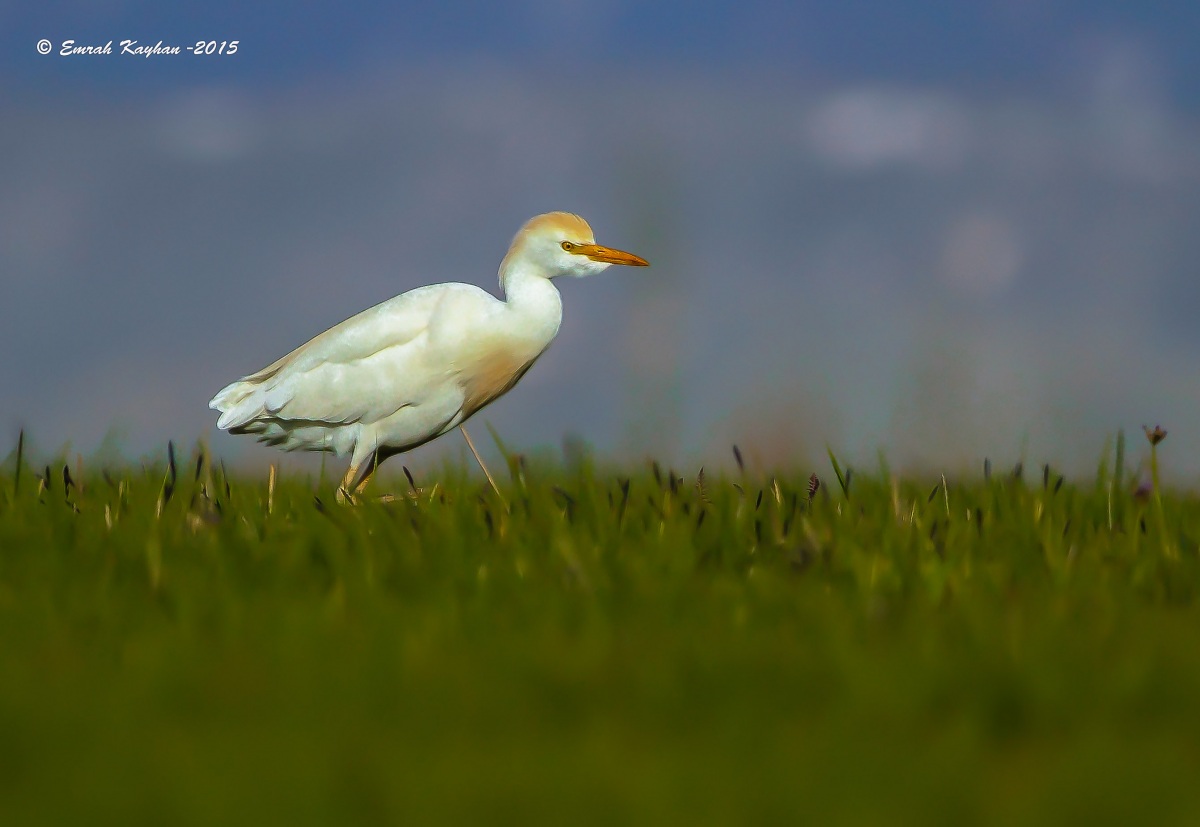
point(1000, 651)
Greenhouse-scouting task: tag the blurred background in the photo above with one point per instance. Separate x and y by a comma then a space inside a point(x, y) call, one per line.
point(941, 231)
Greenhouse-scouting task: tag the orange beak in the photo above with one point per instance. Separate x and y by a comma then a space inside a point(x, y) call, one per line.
point(609, 256)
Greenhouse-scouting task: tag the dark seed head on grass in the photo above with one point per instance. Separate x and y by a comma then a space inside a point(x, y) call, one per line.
point(1155, 435)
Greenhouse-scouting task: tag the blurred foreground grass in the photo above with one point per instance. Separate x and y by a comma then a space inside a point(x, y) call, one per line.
point(607, 650)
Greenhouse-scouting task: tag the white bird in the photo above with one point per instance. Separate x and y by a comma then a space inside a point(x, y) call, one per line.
point(418, 365)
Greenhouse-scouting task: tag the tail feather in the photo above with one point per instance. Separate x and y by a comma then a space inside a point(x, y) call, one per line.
point(240, 403)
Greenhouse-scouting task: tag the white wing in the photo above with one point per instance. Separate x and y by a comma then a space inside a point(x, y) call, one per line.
point(360, 371)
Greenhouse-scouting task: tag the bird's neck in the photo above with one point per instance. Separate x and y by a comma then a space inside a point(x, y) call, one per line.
point(533, 298)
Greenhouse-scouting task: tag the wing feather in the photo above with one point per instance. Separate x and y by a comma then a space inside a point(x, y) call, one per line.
point(368, 367)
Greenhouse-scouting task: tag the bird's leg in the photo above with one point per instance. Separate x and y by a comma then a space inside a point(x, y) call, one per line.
point(356, 479)
point(362, 485)
point(486, 472)
point(343, 492)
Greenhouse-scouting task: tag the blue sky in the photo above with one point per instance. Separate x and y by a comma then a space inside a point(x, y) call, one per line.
point(997, 45)
point(946, 230)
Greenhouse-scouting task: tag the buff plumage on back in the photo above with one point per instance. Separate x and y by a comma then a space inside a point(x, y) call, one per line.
point(565, 225)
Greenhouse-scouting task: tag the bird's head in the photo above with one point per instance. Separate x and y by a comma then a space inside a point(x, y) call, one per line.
point(561, 244)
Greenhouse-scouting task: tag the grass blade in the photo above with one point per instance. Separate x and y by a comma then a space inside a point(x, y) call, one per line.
point(20, 462)
point(842, 478)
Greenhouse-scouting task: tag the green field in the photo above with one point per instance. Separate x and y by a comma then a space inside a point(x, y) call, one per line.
point(603, 646)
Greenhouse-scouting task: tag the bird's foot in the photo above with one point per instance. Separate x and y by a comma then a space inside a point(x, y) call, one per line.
point(414, 494)
point(344, 497)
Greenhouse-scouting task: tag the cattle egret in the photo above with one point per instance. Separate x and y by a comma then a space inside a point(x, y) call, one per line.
point(418, 365)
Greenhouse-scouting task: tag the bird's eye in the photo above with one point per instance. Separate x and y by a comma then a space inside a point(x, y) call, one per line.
point(568, 246)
